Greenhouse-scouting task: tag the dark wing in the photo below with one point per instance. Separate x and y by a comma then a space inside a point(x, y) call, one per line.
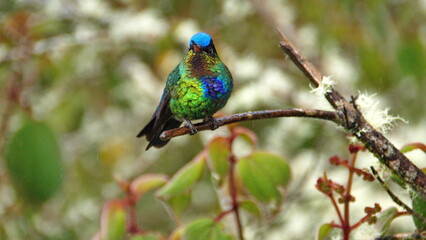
point(162, 119)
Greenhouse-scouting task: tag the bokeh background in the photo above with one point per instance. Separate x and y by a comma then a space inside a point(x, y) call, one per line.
point(94, 70)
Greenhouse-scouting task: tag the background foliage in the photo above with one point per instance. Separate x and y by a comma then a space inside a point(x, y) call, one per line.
point(87, 74)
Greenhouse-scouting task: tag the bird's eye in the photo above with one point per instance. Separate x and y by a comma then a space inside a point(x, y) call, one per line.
point(211, 50)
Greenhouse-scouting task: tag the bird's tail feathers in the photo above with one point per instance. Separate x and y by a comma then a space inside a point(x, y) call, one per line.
point(162, 120)
point(158, 124)
point(147, 130)
point(155, 140)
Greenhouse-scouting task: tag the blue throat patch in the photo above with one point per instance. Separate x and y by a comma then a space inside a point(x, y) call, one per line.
point(202, 39)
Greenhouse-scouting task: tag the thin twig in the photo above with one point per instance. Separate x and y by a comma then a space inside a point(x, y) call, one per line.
point(403, 236)
point(395, 198)
point(353, 122)
point(247, 116)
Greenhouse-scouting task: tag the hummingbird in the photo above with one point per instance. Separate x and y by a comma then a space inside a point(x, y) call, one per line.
point(196, 88)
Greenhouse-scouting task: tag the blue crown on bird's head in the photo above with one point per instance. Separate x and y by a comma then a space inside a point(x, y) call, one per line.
point(201, 39)
point(202, 43)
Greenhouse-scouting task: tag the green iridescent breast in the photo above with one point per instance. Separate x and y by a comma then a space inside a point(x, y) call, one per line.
point(199, 87)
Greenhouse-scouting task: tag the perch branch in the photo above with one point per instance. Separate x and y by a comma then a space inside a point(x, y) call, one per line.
point(247, 116)
point(353, 122)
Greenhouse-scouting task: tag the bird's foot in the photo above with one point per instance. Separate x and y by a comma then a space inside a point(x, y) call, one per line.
point(191, 127)
point(213, 122)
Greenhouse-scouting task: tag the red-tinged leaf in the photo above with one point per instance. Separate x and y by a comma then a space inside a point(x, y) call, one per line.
point(219, 150)
point(184, 179)
point(147, 182)
point(384, 220)
point(205, 229)
point(113, 221)
point(413, 146)
point(324, 231)
point(33, 160)
point(246, 134)
point(261, 173)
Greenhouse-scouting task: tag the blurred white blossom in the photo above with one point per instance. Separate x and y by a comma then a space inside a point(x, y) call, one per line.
point(146, 25)
point(185, 29)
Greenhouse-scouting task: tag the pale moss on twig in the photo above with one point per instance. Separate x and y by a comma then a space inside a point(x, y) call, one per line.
point(380, 119)
point(325, 86)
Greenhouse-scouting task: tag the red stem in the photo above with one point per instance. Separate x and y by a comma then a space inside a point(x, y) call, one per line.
point(233, 193)
point(336, 207)
point(347, 198)
point(133, 222)
point(398, 214)
point(223, 214)
point(335, 225)
point(133, 226)
point(361, 221)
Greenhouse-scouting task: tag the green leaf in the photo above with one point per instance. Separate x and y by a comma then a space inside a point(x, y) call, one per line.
point(205, 229)
point(276, 166)
point(179, 203)
point(324, 231)
point(183, 179)
point(144, 237)
point(137, 237)
point(251, 207)
point(384, 220)
point(33, 160)
point(69, 111)
point(261, 174)
point(256, 181)
point(219, 151)
point(147, 182)
point(411, 58)
point(419, 206)
point(398, 180)
point(113, 221)
point(372, 65)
